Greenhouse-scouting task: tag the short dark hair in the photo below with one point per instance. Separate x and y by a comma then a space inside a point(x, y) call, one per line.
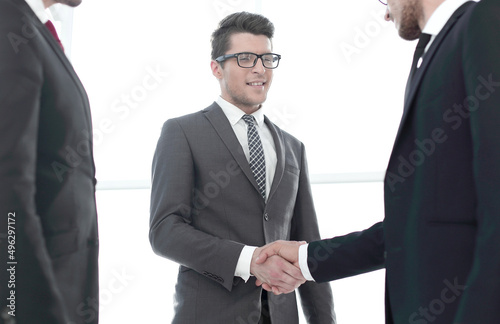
point(240, 22)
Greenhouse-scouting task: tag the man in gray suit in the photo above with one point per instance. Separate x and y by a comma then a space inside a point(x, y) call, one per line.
point(227, 180)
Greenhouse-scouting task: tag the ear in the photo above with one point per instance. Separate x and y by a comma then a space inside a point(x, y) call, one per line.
point(216, 69)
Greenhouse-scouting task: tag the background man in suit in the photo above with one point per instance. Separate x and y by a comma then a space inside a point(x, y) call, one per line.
point(440, 238)
point(48, 221)
point(216, 196)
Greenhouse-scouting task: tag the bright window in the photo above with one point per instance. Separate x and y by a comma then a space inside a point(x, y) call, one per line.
point(339, 89)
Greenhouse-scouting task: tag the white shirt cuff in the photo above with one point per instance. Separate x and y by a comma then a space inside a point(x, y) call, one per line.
point(244, 261)
point(303, 262)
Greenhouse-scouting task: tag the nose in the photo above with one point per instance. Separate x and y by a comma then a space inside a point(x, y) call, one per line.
point(259, 66)
point(387, 15)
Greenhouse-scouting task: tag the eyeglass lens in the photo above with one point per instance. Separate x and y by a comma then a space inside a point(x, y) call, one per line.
point(248, 60)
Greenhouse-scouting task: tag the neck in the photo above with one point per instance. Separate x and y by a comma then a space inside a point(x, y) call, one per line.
point(48, 3)
point(428, 8)
point(249, 110)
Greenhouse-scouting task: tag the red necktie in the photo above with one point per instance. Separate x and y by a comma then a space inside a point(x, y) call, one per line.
point(52, 30)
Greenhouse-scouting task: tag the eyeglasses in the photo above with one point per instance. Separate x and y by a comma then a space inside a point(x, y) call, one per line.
point(248, 60)
point(384, 2)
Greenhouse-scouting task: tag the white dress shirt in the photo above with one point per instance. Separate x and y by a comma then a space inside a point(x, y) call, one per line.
point(439, 18)
point(39, 9)
point(239, 126)
point(434, 25)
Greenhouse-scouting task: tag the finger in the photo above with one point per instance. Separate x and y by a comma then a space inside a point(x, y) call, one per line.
point(269, 250)
point(287, 283)
point(289, 251)
point(267, 287)
point(292, 271)
point(284, 287)
point(282, 273)
point(295, 273)
point(262, 257)
point(276, 291)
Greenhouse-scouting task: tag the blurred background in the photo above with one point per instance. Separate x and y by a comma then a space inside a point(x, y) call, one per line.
point(339, 89)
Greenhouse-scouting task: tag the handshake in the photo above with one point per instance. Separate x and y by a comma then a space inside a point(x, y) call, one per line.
point(276, 267)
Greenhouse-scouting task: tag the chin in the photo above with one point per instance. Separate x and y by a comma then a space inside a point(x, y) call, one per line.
point(409, 33)
point(71, 3)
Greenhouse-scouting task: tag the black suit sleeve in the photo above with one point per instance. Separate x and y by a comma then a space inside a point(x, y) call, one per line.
point(348, 255)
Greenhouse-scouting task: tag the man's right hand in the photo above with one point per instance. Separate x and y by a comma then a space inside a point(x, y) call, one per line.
point(276, 267)
point(288, 250)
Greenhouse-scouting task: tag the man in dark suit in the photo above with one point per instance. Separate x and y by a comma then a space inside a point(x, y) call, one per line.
point(440, 240)
point(227, 180)
point(48, 221)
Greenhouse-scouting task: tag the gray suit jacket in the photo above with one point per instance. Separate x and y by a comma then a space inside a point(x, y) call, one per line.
point(205, 207)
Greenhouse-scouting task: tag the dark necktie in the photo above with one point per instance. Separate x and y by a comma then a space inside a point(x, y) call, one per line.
point(257, 160)
point(419, 51)
point(52, 29)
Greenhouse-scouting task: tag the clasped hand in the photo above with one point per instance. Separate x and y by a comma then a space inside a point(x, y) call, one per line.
point(276, 267)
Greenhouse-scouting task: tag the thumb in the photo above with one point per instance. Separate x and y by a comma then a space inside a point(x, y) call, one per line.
point(261, 258)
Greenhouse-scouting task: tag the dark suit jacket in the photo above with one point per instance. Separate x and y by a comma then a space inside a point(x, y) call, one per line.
point(47, 182)
point(205, 206)
point(441, 233)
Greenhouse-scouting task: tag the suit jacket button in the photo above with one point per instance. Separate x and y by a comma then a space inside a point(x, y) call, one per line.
point(266, 216)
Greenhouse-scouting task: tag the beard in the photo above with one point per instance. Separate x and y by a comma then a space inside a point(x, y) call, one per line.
point(411, 14)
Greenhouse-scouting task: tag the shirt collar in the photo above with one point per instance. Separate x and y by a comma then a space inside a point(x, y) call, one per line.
point(234, 113)
point(441, 15)
point(39, 9)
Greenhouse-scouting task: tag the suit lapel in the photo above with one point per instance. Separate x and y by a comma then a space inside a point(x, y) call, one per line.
point(58, 54)
point(280, 155)
point(45, 33)
point(419, 74)
point(219, 121)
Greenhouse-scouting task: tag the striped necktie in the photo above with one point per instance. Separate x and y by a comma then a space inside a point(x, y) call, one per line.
point(257, 160)
point(419, 51)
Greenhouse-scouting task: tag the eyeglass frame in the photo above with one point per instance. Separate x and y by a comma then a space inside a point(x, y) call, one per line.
point(382, 2)
point(223, 58)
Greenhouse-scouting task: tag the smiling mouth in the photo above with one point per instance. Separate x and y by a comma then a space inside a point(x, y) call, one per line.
point(257, 84)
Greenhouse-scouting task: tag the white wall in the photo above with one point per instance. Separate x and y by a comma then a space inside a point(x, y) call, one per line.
point(339, 89)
